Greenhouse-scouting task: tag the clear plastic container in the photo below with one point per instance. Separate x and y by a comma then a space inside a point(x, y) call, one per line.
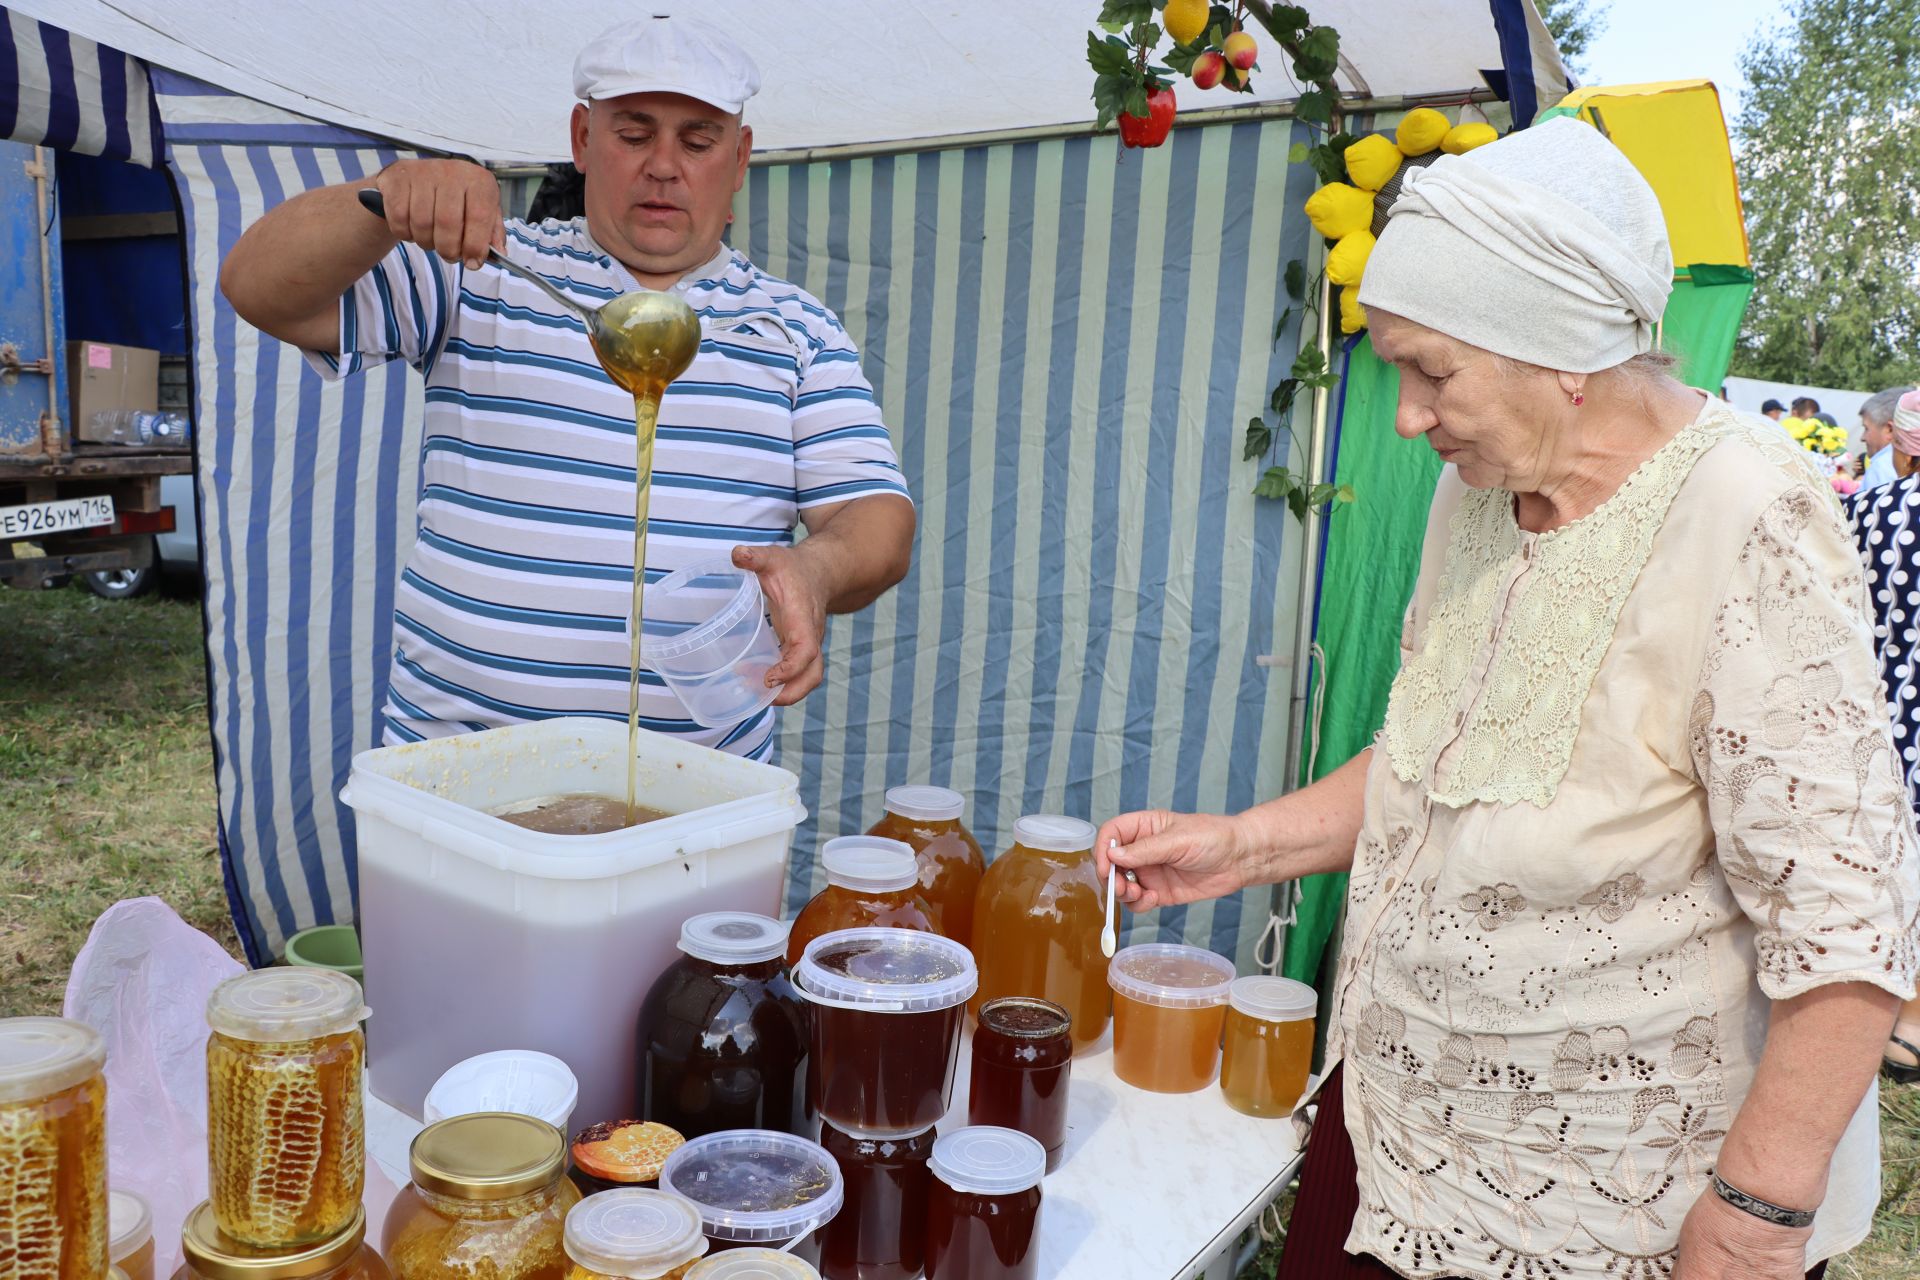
point(130, 1234)
point(886, 1027)
point(53, 1144)
point(753, 1264)
point(1022, 1060)
point(870, 881)
point(723, 1034)
point(622, 1153)
point(1267, 1052)
point(757, 1187)
point(983, 1216)
point(212, 1255)
point(286, 1142)
point(706, 634)
point(1041, 903)
point(880, 1232)
point(488, 1201)
point(518, 1080)
point(928, 820)
point(479, 933)
point(1169, 1004)
point(633, 1234)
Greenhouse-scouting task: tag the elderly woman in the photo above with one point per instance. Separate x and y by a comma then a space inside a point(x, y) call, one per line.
point(1633, 881)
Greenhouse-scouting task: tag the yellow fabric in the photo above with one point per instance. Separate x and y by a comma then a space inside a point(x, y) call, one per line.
point(1338, 210)
point(1373, 160)
point(1348, 259)
point(1353, 317)
point(1675, 135)
point(1463, 138)
point(1421, 131)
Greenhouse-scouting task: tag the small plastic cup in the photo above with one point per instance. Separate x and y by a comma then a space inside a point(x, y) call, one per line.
point(1268, 1048)
point(1169, 1004)
point(753, 1264)
point(523, 1081)
point(130, 1235)
point(634, 1232)
point(756, 1187)
point(327, 946)
point(707, 636)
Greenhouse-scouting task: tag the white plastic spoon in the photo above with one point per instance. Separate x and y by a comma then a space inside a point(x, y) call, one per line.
point(1109, 936)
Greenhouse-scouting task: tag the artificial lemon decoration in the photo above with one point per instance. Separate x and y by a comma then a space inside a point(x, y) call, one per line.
point(1185, 20)
point(1463, 138)
point(1373, 160)
point(1338, 210)
point(1421, 131)
point(1353, 316)
point(1349, 258)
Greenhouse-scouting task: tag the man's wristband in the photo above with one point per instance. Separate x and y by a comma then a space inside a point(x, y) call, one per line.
point(1762, 1209)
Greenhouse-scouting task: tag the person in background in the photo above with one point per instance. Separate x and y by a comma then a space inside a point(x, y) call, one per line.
point(1876, 429)
point(1808, 407)
point(1773, 409)
point(1887, 528)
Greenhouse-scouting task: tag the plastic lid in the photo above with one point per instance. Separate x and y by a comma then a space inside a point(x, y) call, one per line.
point(745, 595)
point(1025, 1018)
point(753, 1264)
point(988, 1161)
point(1171, 975)
point(872, 864)
point(889, 970)
point(489, 1155)
point(129, 1224)
point(280, 1006)
point(40, 1057)
point(926, 804)
point(520, 1080)
point(1272, 999)
point(215, 1256)
point(1054, 833)
point(115, 1273)
point(626, 1150)
point(634, 1231)
point(733, 937)
point(756, 1185)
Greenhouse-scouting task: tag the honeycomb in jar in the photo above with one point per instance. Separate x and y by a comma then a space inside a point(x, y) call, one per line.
point(53, 1185)
point(447, 1240)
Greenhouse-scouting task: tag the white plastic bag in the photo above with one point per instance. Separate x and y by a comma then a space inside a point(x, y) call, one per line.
point(142, 981)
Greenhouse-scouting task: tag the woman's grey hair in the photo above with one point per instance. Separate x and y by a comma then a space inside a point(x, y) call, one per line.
point(1879, 407)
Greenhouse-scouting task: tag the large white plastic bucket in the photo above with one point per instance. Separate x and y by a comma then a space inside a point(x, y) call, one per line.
point(481, 935)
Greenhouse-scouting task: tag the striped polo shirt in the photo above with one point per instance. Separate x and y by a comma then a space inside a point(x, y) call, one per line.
point(514, 603)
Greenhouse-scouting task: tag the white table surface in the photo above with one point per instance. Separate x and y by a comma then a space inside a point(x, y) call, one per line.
point(1152, 1184)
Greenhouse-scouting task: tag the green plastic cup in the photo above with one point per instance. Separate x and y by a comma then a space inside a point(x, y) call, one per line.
point(327, 946)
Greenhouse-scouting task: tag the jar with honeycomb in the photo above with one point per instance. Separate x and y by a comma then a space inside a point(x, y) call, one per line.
point(488, 1201)
point(753, 1264)
point(130, 1234)
point(214, 1255)
point(633, 1234)
point(927, 820)
point(53, 1148)
point(285, 1136)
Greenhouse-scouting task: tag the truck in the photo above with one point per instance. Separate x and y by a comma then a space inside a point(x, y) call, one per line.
point(92, 323)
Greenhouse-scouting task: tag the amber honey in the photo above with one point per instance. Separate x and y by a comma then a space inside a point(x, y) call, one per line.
point(633, 1234)
point(870, 882)
point(927, 820)
point(130, 1235)
point(1169, 1005)
point(1268, 1047)
point(578, 814)
point(983, 1211)
point(53, 1150)
point(488, 1200)
point(1040, 903)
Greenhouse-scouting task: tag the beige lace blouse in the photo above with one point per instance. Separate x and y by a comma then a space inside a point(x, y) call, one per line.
point(1635, 782)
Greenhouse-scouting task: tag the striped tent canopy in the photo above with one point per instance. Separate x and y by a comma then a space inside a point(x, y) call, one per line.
point(1066, 339)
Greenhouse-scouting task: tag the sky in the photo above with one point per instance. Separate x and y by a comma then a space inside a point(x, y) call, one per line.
point(1678, 40)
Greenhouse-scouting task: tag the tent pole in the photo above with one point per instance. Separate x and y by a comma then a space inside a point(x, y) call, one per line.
point(1314, 532)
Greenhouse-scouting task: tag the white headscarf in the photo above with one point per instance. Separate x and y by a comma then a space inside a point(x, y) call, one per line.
point(1906, 424)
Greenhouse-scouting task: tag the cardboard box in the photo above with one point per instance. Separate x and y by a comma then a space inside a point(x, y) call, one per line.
point(102, 376)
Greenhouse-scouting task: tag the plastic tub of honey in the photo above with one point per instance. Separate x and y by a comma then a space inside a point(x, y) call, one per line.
point(633, 1234)
point(928, 820)
point(753, 1264)
point(213, 1255)
point(286, 1140)
point(53, 1144)
point(755, 1187)
point(886, 1027)
point(983, 1214)
point(871, 882)
point(1268, 1049)
point(486, 1185)
point(130, 1234)
point(1169, 1004)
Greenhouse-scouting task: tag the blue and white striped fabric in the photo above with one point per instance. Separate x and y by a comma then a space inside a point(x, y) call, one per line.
point(514, 605)
point(62, 90)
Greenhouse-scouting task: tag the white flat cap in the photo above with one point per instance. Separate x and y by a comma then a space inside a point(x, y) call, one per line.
point(666, 55)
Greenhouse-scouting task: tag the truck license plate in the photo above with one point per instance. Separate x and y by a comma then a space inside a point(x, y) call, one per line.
point(40, 518)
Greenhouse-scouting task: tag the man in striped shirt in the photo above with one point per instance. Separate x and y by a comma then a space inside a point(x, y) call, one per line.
point(514, 603)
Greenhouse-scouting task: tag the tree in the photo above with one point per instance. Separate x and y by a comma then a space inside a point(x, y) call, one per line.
point(1831, 183)
point(1575, 25)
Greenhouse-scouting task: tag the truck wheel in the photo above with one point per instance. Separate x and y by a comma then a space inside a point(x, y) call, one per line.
point(121, 584)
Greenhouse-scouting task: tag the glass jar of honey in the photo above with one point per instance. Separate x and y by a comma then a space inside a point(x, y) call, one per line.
point(285, 1138)
point(758, 1188)
point(1040, 902)
point(983, 1214)
point(1268, 1048)
point(880, 1232)
point(1169, 1002)
point(214, 1255)
point(927, 820)
point(870, 882)
point(53, 1146)
point(622, 1153)
point(886, 1027)
point(633, 1234)
point(1022, 1056)
point(130, 1234)
point(753, 1264)
point(488, 1201)
point(723, 1036)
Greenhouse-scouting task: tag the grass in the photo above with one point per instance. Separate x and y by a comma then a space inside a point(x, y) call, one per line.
point(106, 792)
